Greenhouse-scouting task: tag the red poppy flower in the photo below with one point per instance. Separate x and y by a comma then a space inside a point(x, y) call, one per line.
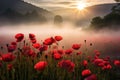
point(106, 62)
point(86, 72)
point(71, 69)
point(26, 48)
point(53, 51)
point(67, 64)
point(101, 64)
point(49, 41)
point(14, 43)
point(76, 46)
point(68, 51)
point(79, 53)
point(8, 57)
point(57, 56)
point(98, 61)
point(27, 51)
point(96, 57)
point(31, 36)
point(31, 53)
point(91, 77)
point(85, 63)
point(58, 38)
point(117, 63)
point(33, 41)
point(11, 48)
point(40, 66)
point(108, 66)
point(43, 48)
point(0, 58)
point(19, 37)
point(97, 53)
point(36, 45)
point(60, 51)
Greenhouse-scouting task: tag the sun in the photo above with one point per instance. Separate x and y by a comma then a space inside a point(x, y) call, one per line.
point(81, 5)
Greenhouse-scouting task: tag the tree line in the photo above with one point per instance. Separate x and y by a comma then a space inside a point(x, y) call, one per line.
point(111, 20)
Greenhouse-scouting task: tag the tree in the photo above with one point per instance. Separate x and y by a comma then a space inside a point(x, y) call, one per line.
point(116, 8)
point(58, 19)
point(111, 20)
point(97, 22)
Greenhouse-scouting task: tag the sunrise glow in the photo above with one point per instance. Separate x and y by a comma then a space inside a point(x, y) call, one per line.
point(81, 5)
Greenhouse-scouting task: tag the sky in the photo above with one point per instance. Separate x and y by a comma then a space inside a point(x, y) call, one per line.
point(56, 4)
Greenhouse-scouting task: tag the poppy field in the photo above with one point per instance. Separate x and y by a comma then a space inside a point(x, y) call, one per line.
point(46, 60)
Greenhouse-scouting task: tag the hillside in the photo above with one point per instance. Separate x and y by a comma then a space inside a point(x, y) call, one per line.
point(20, 10)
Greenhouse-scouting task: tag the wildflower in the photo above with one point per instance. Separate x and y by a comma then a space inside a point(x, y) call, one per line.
point(40, 66)
point(101, 64)
point(8, 57)
point(79, 53)
point(31, 53)
point(58, 38)
point(33, 41)
point(57, 56)
point(19, 37)
point(85, 63)
point(97, 53)
point(49, 41)
point(108, 66)
point(86, 72)
point(98, 61)
point(27, 51)
point(76, 46)
point(60, 51)
point(117, 63)
point(43, 48)
point(31, 36)
point(36, 45)
point(11, 48)
point(68, 51)
point(14, 43)
point(67, 64)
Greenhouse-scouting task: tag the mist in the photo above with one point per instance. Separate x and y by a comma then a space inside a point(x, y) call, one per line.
point(105, 40)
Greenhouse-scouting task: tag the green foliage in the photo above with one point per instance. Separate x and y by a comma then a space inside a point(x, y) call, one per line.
point(97, 21)
point(112, 18)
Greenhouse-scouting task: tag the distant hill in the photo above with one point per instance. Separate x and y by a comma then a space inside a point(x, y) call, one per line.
point(85, 16)
point(109, 21)
point(20, 10)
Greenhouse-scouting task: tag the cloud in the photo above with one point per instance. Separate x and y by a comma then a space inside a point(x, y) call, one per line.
point(54, 4)
point(66, 3)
